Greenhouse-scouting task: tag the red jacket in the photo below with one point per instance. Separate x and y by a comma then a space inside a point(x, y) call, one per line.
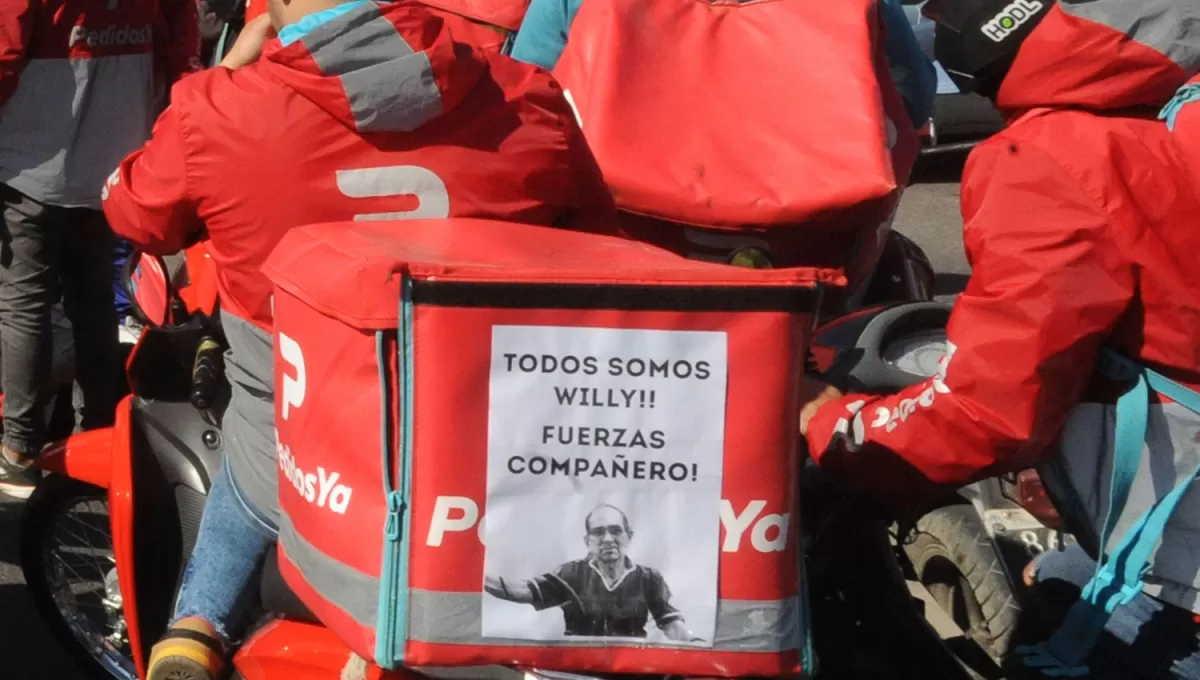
point(379, 113)
point(1080, 227)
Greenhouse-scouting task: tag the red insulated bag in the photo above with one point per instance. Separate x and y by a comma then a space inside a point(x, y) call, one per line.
point(508, 444)
point(773, 118)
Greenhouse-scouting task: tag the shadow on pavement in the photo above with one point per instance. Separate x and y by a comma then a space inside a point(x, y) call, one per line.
point(27, 649)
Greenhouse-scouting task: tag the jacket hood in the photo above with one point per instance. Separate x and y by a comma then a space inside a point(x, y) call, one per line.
point(376, 67)
point(1105, 55)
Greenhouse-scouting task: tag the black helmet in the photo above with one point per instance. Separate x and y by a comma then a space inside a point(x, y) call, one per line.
point(976, 41)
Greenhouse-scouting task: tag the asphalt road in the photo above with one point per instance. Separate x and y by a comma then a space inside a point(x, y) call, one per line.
point(928, 214)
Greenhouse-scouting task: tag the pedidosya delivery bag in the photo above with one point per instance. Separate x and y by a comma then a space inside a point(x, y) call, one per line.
point(508, 444)
point(772, 118)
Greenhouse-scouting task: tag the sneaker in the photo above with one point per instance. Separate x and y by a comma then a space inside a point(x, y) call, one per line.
point(18, 480)
point(129, 330)
point(189, 650)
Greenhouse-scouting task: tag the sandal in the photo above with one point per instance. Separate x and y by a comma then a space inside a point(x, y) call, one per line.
point(189, 650)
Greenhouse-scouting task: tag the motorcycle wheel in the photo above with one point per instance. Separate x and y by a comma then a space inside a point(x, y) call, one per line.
point(866, 623)
point(67, 558)
point(953, 557)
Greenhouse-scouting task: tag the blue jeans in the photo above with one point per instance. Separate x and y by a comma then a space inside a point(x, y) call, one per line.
point(1146, 639)
point(121, 254)
point(232, 542)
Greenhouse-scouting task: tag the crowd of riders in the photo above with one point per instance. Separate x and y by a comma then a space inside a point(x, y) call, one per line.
point(1079, 223)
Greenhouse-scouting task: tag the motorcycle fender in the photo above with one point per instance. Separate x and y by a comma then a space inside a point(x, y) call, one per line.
point(87, 456)
point(120, 517)
point(302, 651)
point(104, 458)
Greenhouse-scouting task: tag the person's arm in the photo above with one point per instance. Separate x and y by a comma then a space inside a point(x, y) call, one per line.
point(679, 632)
point(508, 589)
point(543, 592)
point(543, 33)
point(1047, 289)
point(658, 600)
point(16, 29)
point(912, 72)
point(146, 200)
point(182, 39)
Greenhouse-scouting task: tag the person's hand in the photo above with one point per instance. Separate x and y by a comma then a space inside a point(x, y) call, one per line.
point(815, 395)
point(248, 46)
point(210, 23)
point(1029, 575)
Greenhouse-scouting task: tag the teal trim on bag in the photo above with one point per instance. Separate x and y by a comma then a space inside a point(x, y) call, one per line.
point(1119, 576)
point(392, 629)
point(809, 663)
point(386, 594)
point(1188, 94)
point(400, 631)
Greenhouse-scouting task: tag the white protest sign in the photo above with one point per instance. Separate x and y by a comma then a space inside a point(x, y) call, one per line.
point(605, 454)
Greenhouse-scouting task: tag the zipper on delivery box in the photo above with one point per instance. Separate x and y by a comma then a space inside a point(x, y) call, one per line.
point(393, 591)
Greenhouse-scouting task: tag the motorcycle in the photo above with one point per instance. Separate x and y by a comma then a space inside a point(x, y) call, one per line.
point(106, 537)
point(969, 553)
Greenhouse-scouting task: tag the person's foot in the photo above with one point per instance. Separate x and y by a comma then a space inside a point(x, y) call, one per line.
point(129, 330)
point(18, 476)
point(189, 650)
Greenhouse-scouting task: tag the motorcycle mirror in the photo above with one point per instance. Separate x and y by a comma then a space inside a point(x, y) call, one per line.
point(148, 287)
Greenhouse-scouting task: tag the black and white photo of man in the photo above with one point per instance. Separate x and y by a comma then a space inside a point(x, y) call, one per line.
point(606, 593)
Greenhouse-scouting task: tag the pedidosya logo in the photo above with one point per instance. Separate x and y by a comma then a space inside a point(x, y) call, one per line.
point(1011, 18)
point(113, 35)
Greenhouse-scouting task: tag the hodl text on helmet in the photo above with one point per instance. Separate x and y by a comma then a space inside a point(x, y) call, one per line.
point(1011, 18)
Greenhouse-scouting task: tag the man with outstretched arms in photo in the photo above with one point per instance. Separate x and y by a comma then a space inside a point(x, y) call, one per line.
point(606, 593)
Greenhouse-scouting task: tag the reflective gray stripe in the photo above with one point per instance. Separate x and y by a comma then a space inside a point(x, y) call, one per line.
point(346, 588)
point(1169, 26)
point(390, 87)
point(1080, 474)
point(742, 626)
point(456, 618)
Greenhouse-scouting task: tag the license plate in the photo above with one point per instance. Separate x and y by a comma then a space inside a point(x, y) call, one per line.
point(1021, 538)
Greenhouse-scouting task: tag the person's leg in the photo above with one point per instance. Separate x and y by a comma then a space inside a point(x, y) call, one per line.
point(1058, 577)
point(29, 259)
point(87, 275)
point(219, 571)
point(1145, 639)
point(121, 251)
point(231, 544)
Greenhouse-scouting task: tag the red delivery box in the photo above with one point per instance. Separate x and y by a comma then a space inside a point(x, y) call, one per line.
point(509, 444)
point(773, 115)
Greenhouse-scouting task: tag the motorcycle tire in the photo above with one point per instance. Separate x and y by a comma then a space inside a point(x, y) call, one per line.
point(43, 511)
point(954, 558)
